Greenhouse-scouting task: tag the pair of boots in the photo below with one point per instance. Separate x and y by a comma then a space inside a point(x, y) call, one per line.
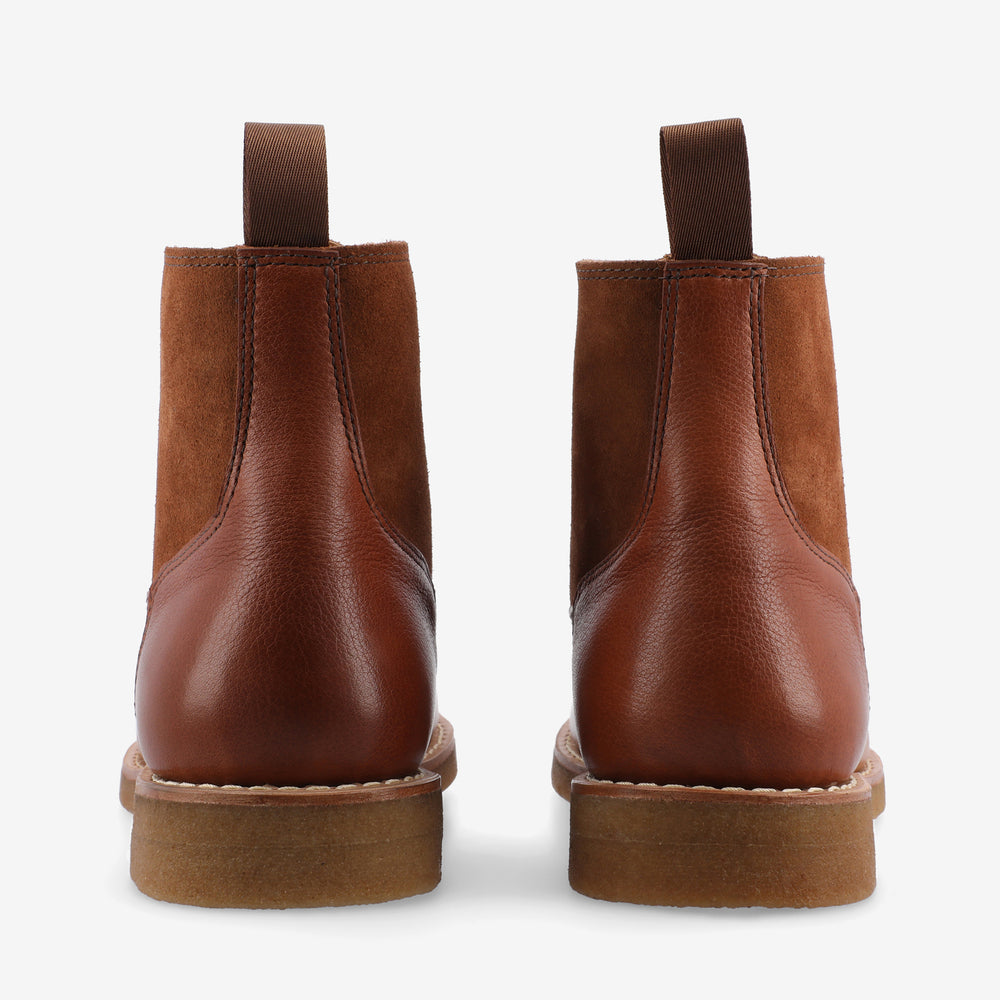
point(289, 748)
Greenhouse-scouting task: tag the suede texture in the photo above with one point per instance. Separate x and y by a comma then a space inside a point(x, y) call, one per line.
point(615, 373)
point(614, 389)
point(199, 387)
point(802, 398)
point(199, 332)
point(379, 318)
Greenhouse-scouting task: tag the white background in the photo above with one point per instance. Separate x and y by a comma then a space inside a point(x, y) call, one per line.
point(504, 142)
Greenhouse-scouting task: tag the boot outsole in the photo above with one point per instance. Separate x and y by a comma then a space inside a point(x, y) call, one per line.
point(675, 845)
point(280, 847)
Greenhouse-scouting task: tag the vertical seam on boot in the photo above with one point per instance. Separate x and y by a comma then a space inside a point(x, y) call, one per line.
point(668, 325)
point(242, 432)
point(351, 431)
point(766, 439)
point(236, 459)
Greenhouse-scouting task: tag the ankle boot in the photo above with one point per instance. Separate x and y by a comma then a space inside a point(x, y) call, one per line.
point(718, 751)
point(289, 750)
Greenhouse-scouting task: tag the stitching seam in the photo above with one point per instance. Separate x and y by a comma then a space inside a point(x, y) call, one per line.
point(373, 260)
point(598, 273)
point(200, 256)
point(677, 277)
point(287, 788)
point(343, 263)
point(352, 433)
point(138, 762)
point(316, 260)
point(669, 323)
point(250, 266)
point(435, 745)
point(728, 788)
point(865, 770)
point(243, 432)
point(764, 421)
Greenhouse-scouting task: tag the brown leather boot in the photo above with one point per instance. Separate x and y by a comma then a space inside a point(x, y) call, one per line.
point(289, 749)
point(718, 754)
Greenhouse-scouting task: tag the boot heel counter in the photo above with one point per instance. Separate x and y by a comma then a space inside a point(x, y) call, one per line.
point(292, 641)
point(719, 644)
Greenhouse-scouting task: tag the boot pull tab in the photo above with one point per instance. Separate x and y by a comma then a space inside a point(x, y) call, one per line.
point(706, 188)
point(284, 186)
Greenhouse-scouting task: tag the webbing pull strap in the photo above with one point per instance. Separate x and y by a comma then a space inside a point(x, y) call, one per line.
point(706, 188)
point(284, 186)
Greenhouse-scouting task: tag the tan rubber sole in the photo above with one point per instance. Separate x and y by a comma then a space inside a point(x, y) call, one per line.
point(675, 845)
point(279, 847)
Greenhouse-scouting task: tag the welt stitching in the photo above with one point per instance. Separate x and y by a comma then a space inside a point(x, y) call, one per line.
point(139, 762)
point(438, 739)
point(659, 427)
point(568, 747)
point(847, 786)
point(780, 493)
point(862, 772)
point(286, 788)
point(352, 434)
point(207, 533)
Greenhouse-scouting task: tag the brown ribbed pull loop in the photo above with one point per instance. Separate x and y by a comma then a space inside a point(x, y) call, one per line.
point(284, 186)
point(706, 188)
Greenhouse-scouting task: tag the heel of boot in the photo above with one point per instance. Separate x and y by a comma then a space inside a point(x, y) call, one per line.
point(692, 846)
point(286, 847)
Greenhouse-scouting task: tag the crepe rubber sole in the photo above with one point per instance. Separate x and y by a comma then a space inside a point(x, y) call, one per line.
point(277, 847)
point(676, 845)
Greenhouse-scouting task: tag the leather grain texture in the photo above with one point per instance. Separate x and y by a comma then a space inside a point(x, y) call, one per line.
point(718, 643)
point(291, 641)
